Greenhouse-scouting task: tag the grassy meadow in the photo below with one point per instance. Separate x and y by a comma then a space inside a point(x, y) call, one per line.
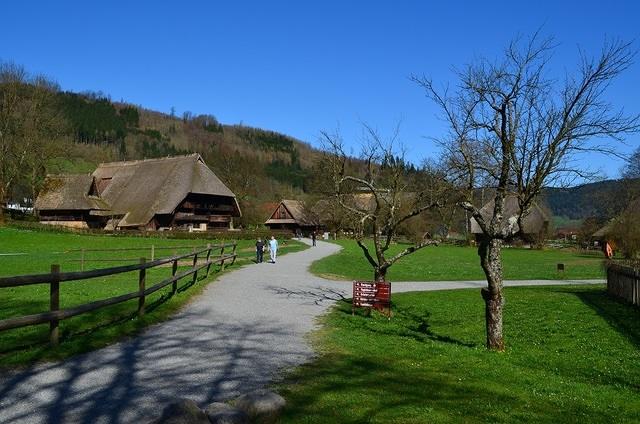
point(32, 252)
point(446, 263)
point(572, 355)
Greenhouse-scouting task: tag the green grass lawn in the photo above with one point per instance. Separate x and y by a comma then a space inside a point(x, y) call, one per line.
point(572, 356)
point(445, 263)
point(95, 329)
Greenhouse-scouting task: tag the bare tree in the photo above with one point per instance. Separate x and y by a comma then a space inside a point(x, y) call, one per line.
point(632, 168)
point(378, 195)
point(30, 125)
point(515, 129)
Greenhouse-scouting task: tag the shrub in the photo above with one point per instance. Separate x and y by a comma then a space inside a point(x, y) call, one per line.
point(625, 232)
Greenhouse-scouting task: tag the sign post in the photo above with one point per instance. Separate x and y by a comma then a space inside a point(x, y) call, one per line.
point(376, 295)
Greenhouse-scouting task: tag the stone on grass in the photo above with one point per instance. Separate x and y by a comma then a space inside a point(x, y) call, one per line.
point(222, 413)
point(262, 406)
point(182, 411)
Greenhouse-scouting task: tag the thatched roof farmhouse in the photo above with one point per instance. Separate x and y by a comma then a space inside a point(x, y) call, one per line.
point(537, 222)
point(173, 192)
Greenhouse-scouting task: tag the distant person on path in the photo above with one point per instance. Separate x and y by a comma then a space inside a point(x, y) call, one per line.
point(259, 250)
point(273, 249)
point(313, 237)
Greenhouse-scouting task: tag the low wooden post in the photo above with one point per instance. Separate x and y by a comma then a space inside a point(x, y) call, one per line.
point(235, 246)
point(222, 255)
point(153, 252)
point(174, 269)
point(54, 305)
point(82, 260)
point(208, 257)
point(141, 283)
point(195, 262)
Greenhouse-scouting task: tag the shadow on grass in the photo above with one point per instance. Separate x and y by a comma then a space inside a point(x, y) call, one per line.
point(406, 322)
point(623, 318)
point(418, 327)
point(350, 389)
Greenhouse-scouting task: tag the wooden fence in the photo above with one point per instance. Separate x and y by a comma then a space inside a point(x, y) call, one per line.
point(624, 282)
point(85, 253)
point(55, 277)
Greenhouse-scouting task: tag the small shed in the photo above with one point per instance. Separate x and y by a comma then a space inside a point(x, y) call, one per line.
point(292, 215)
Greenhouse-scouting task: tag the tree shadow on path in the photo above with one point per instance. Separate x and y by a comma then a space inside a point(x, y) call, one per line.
point(131, 381)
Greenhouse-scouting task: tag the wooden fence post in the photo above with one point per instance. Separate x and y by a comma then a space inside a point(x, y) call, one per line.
point(153, 252)
point(195, 262)
point(222, 255)
point(141, 283)
point(235, 246)
point(174, 269)
point(208, 257)
point(54, 305)
point(82, 260)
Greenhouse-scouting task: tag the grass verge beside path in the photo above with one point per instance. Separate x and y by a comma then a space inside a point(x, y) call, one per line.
point(446, 263)
point(572, 355)
point(96, 329)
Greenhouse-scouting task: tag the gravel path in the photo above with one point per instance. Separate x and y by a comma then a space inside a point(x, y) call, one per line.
point(239, 335)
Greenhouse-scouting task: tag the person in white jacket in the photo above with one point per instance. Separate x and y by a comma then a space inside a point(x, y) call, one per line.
point(273, 249)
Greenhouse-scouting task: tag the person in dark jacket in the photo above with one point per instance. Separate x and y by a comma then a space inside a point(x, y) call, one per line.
point(313, 237)
point(259, 250)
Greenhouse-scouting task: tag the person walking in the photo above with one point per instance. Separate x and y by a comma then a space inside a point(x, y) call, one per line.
point(313, 237)
point(259, 250)
point(273, 249)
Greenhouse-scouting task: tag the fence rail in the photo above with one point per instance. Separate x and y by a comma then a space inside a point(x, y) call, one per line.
point(624, 282)
point(151, 249)
point(55, 277)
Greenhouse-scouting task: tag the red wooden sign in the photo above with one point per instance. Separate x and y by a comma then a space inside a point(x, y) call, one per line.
point(372, 295)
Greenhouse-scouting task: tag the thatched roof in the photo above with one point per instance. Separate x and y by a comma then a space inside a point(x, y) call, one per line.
point(68, 192)
point(607, 229)
point(604, 231)
point(534, 222)
point(143, 188)
point(300, 215)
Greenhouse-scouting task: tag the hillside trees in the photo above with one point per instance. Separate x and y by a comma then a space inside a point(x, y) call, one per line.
point(626, 232)
point(515, 128)
point(632, 168)
point(381, 197)
point(93, 118)
point(30, 124)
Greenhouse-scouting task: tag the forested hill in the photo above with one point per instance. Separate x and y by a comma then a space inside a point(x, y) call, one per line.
point(130, 132)
point(603, 199)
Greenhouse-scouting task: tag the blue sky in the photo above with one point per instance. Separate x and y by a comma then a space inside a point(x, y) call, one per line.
point(301, 67)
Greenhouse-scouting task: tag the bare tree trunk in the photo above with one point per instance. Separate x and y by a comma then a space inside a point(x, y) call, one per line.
point(380, 274)
point(491, 261)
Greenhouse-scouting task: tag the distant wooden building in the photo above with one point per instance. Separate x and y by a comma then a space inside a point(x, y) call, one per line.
point(536, 223)
point(169, 193)
point(292, 215)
